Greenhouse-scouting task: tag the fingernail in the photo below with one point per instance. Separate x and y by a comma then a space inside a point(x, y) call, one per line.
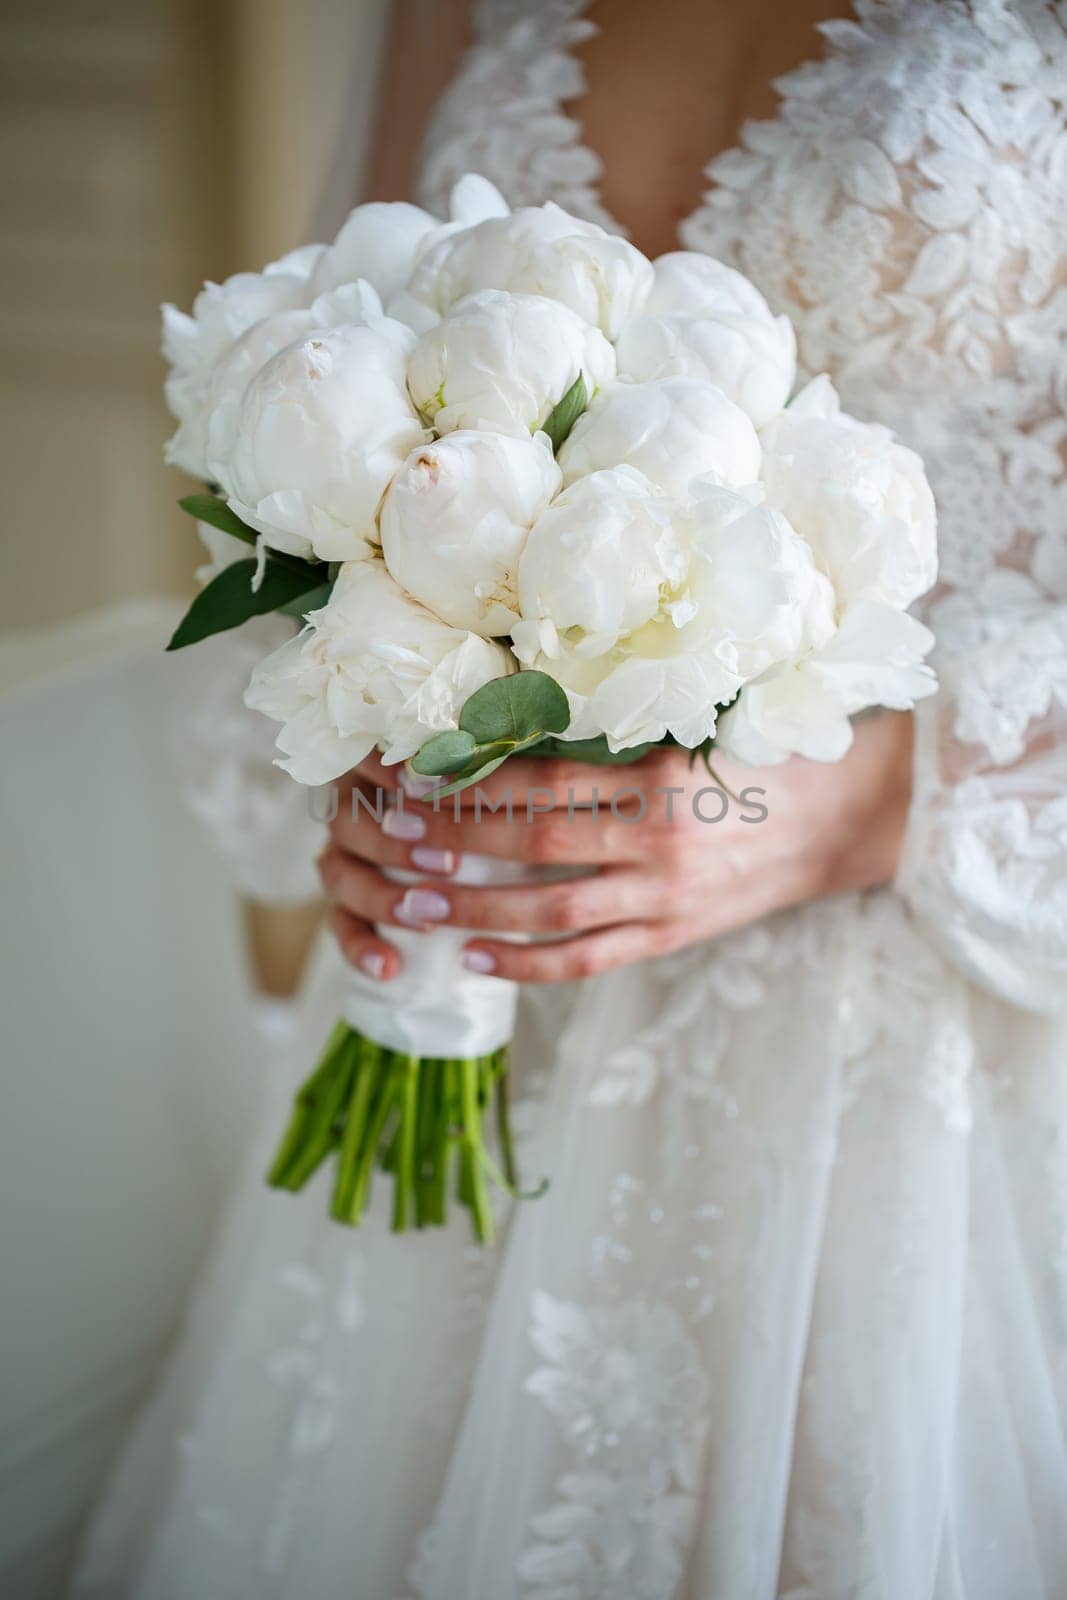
point(479, 961)
point(415, 785)
point(373, 963)
point(429, 859)
point(422, 905)
point(401, 824)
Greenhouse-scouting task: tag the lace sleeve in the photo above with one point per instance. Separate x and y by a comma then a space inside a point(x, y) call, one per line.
point(984, 864)
point(985, 859)
point(908, 209)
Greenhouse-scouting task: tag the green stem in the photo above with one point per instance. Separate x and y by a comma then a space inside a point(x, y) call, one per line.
point(369, 1149)
point(365, 1082)
point(305, 1101)
point(407, 1070)
point(503, 1120)
point(414, 1116)
point(442, 1146)
point(481, 1210)
point(320, 1137)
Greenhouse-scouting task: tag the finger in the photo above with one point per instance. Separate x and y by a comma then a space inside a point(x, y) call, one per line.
point(549, 781)
point(564, 960)
point(361, 888)
point(576, 904)
point(423, 840)
point(393, 835)
point(362, 948)
point(371, 773)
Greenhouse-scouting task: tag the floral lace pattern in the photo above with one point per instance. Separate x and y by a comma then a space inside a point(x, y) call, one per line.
point(503, 114)
point(905, 208)
point(625, 1388)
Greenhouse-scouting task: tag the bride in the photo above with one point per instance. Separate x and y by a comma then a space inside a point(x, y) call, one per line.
point(792, 1318)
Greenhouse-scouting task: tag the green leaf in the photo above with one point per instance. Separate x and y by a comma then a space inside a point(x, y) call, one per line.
point(519, 708)
point(489, 757)
point(500, 719)
point(228, 600)
point(311, 601)
point(592, 752)
point(562, 417)
point(213, 510)
point(445, 752)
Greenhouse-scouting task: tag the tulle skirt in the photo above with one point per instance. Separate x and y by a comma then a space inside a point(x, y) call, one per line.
point(790, 1321)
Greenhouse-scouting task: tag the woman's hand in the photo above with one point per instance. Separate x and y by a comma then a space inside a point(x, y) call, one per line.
point(677, 859)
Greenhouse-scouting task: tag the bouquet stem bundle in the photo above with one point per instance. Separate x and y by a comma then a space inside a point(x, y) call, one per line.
point(419, 1118)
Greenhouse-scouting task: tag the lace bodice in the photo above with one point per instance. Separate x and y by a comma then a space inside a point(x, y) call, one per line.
point(907, 208)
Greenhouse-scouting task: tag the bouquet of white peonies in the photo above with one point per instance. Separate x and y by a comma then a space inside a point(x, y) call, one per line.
point(523, 490)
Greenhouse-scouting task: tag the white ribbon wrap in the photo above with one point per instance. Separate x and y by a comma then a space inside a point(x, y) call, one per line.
point(435, 1007)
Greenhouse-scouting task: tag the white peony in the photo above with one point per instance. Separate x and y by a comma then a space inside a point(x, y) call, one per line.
point(743, 598)
point(377, 242)
point(875, 658)
point(637, 699)
point(753, 597)
point(234, 371)
point(703, 320)
point(503, 361)
point(248, 355)
point(455, 519)
point(317, 436)
point(372, 669)
point(674, 430)
point(193, 344)
point(859, 498)
point(538, 250)
point(598, 563)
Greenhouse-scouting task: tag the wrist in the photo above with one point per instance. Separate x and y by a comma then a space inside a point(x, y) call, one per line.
point(878, 789)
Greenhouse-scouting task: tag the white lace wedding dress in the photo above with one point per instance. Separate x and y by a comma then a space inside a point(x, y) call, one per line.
point(792, 1318)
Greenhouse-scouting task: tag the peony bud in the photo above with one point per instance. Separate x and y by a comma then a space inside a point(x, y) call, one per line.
point(455, 519)
point(599, 561)
point(538, 250)
point(673, 430)
point(703, 320)
point(502, 362)
point(319, 433)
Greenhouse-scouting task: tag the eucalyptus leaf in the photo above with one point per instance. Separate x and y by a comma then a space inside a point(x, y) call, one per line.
point(211, 509)
point(445, 752)
point(592, 752)
point(229, 599)
point(519, 709)
point(565, 414)
point(477, 769)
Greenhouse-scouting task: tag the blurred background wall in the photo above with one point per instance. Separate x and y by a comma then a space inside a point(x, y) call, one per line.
point(146, 145)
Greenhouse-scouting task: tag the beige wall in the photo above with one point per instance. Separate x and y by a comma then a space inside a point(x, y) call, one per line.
point(148, 144)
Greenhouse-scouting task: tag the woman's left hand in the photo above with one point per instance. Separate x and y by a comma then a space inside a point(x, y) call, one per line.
point(678, 861)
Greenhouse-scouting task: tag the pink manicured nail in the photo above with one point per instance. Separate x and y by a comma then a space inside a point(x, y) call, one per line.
point(372, 963)
point(401, 824)
point(479, 961)
point(422, 905)
point(415, 786)
point(429, 859)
